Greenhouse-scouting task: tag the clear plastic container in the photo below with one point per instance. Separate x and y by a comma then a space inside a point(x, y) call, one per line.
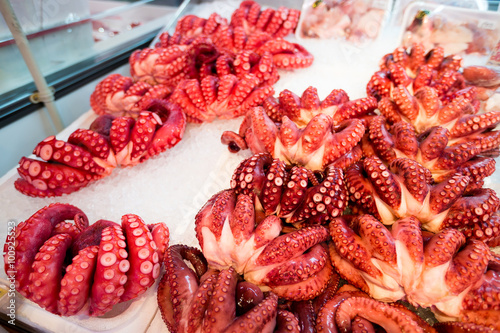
point(356, 21)
point(457, 30)
point(400, 7)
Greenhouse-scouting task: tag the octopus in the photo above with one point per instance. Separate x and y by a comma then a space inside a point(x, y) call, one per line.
point(428, 89)
point(424, 111)
point(297, 195)
point(404, 189)
point(302, 109)
point(215, 68)
point(91, 154)
point(109, 263)
point(305, 131)
point(457, 278)
point(230, 39)
point(276, 22)
point(171, 65)
point(317, 145)
point(197, 298)
point(119, 96)
point(224, 97)
point(292, 265)
point(415, 68)
point(435, 149)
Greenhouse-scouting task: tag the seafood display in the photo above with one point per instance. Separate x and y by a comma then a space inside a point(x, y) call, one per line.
point(91, 154)
point(356, 21)
point(213, 68)
point(367, 214)
point(244, 231)
point(109, 263)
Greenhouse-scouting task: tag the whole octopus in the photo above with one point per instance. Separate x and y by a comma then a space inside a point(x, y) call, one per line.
point(91, 154)
point(71, 269)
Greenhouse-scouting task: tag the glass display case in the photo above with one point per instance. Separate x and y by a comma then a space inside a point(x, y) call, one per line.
point(73, 41)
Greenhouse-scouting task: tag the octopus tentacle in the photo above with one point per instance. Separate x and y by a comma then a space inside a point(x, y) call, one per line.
point(143, 257)
point(76, 283)
point(46, 272)
point(388, 317)
point(161, 237)
point(92, 154)
point(43, 179)
point(222, 302)
point(287, 322)
point(172, 291)
point(111, 269)
point(32, 233)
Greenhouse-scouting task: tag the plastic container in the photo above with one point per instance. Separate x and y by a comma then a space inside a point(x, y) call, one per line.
point(400, 7)
point(356, 21)
point(457, 30)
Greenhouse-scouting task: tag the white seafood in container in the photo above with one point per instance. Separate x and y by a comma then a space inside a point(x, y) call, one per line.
point(356, 21)
point(457, 30)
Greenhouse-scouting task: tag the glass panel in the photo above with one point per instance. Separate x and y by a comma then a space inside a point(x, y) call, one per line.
point(66, 33)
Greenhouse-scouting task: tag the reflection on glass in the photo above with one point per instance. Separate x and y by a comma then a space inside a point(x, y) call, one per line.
point(64, 32)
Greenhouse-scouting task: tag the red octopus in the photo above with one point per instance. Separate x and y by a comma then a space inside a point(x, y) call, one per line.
point(223, 97)
point(351, 310)
point(119, 96)
point(277, 23)
point(294, 265)
point(428, 90)
point(218, 69)
point(424, 111)
point(196, 298)
point(109, 263)
point(91, 154)
point(302, 109)
point(404, 189)
point(304, 130)
point(433, 149)
point(414, 69)
point(457, 278)
point(295, 194)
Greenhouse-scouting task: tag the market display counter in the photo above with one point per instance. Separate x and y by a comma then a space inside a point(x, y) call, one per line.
point(174, 185)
